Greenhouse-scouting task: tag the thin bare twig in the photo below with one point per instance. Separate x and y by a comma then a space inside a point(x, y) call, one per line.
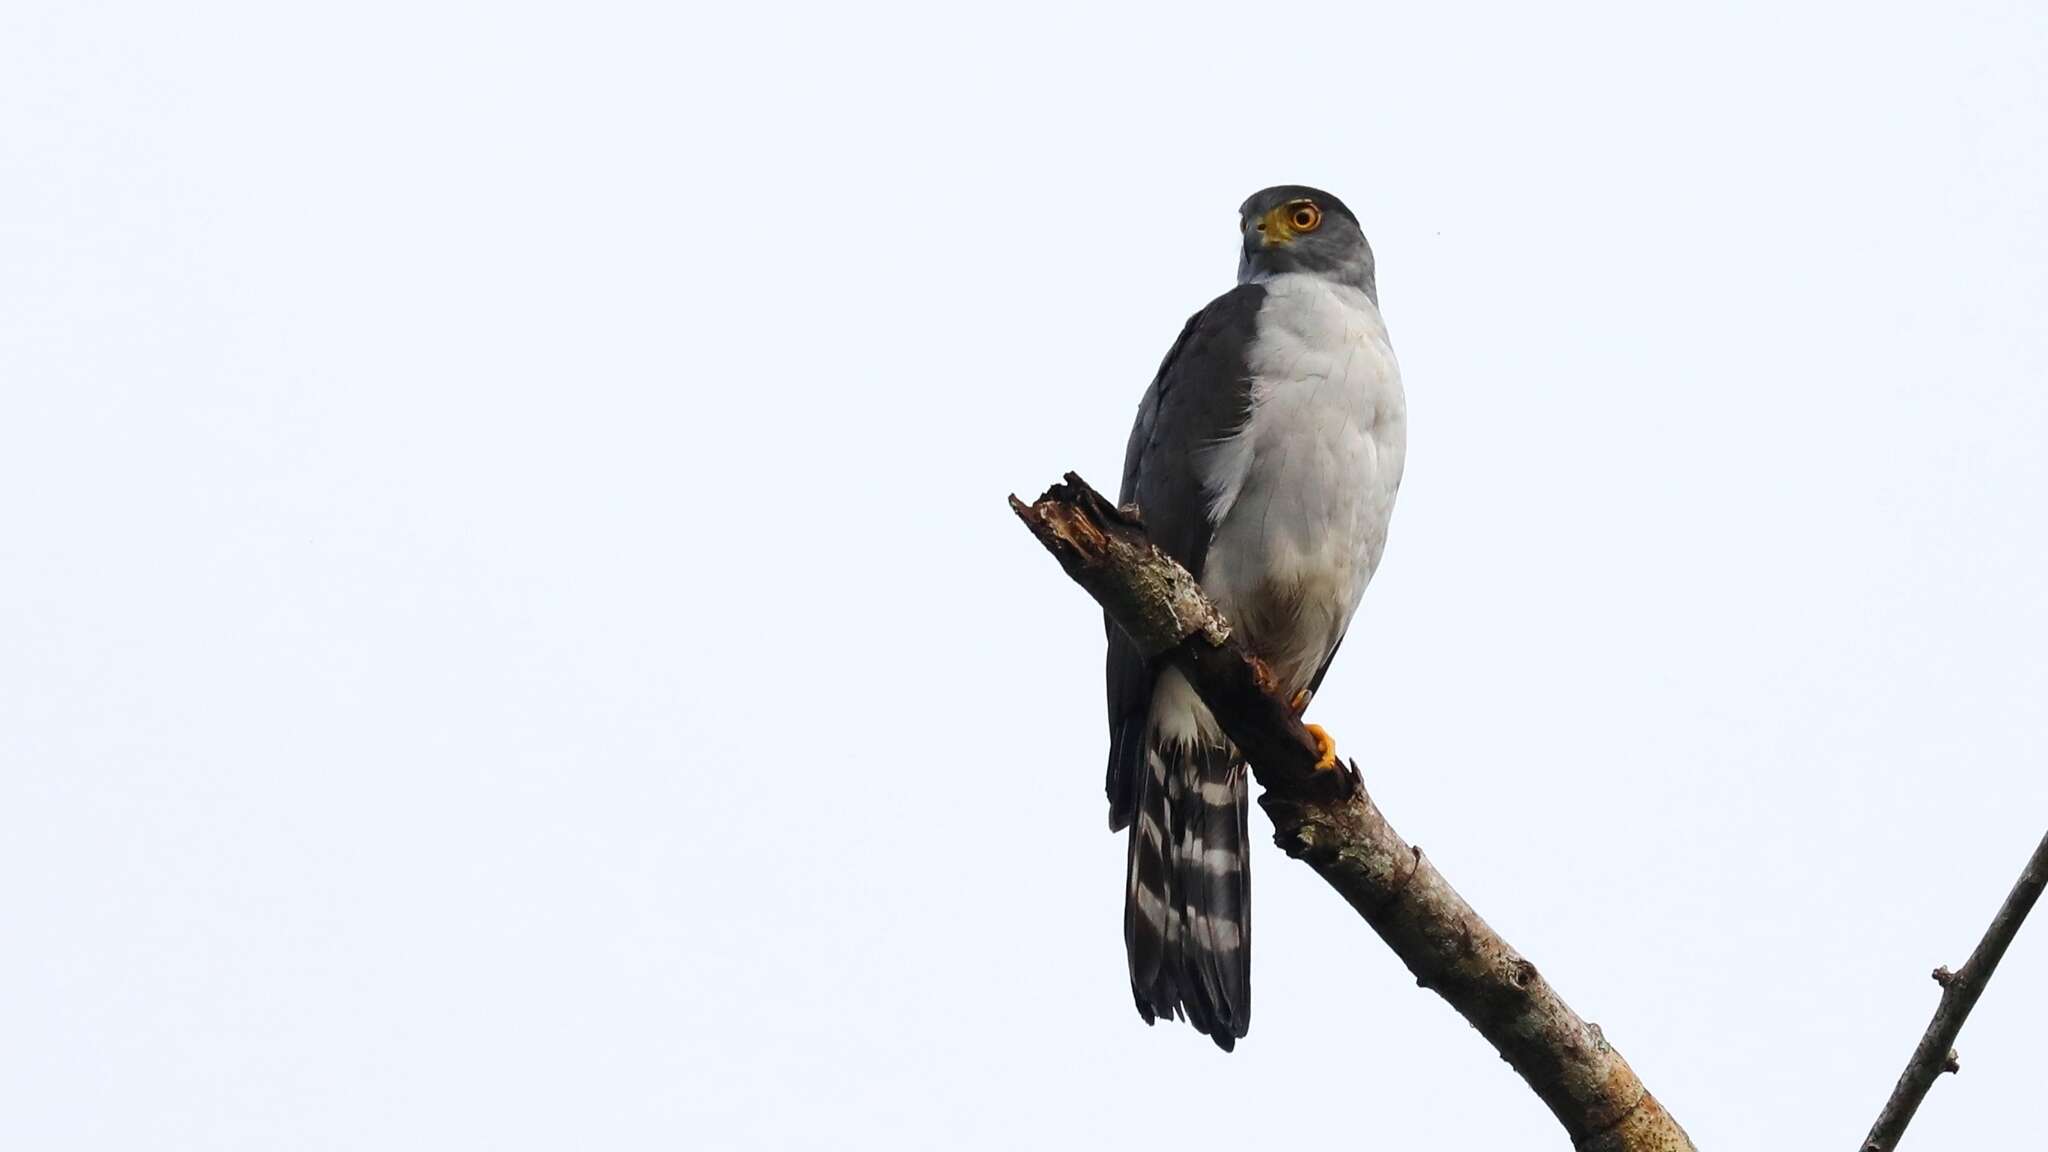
point(1327, 820)
point(1936, 1053)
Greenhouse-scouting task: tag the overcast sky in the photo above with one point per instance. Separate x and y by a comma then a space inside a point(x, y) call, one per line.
point(510, 637)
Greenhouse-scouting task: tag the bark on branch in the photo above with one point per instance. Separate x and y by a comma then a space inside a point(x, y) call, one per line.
point(1935, 1053)
point(1327, 820)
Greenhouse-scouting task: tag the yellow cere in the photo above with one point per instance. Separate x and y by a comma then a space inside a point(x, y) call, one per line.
point(1282, 224)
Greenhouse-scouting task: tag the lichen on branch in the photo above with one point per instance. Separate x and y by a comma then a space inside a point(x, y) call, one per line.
point(1327, 820)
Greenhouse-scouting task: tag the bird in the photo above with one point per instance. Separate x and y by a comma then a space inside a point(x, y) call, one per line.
point(1265, 458)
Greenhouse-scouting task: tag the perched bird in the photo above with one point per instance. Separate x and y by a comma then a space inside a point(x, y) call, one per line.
point(1265, 459)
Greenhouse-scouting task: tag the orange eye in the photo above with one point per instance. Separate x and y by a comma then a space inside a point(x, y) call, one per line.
point(1304, 216)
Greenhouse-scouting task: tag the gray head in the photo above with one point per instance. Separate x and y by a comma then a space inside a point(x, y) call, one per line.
point(1292, 228)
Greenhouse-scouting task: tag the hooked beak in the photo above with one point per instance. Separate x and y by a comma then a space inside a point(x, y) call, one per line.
point(1271, 230)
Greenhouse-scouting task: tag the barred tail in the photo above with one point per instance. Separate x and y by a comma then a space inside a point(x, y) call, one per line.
point(1187, 900)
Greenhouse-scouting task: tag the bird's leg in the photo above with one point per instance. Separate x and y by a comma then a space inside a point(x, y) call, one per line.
point(1326, 747)
point(1326, 744)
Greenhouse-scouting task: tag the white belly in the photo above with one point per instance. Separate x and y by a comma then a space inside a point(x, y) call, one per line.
point(1302, 495)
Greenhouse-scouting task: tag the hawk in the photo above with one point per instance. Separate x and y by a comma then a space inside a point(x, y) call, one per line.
point(1265, 459)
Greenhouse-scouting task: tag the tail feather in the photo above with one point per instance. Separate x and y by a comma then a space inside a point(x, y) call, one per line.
point(1214, 878)
point(1150, 920)
point(1187, 907)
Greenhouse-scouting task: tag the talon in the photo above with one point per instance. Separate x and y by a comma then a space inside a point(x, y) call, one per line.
point(1300, 702)
point(1326, 747)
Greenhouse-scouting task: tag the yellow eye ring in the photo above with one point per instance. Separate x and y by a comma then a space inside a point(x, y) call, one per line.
point(1304, 216)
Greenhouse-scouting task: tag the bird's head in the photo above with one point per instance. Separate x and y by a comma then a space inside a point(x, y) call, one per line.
point(1292, 228)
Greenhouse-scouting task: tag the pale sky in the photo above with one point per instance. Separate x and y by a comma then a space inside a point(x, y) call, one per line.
point(513, 639)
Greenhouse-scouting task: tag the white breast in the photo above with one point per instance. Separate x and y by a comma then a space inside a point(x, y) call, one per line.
point(1301, 496)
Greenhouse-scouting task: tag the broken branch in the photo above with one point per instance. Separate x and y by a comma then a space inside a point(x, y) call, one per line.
point(1327, 820)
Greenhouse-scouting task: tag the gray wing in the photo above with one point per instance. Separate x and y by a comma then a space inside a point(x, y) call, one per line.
point(1201, 394)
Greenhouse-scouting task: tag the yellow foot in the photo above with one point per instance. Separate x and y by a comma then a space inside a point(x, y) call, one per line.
point(1300, 702)
point(1326, 747)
